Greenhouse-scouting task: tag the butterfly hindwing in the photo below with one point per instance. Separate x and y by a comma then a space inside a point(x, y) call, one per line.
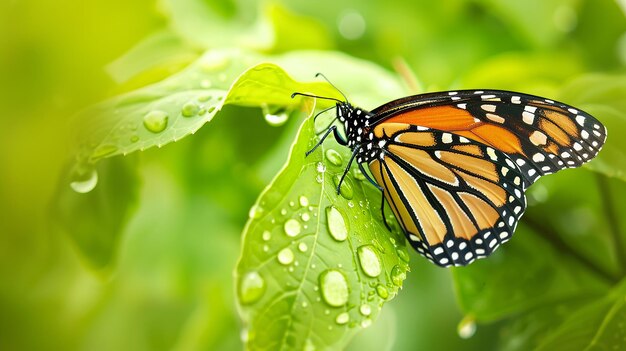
point(456, 199)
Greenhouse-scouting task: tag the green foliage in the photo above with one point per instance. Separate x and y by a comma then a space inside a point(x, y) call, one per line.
point(128, 246)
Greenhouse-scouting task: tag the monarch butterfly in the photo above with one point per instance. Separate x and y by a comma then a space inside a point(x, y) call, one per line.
point(454, 165)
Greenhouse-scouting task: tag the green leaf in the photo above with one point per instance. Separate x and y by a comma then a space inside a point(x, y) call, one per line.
point(316, 267)
point(603, 97)
point(597, 326)
point(95, 219)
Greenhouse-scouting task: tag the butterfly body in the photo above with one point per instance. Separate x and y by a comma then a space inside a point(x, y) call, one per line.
point(453, 166)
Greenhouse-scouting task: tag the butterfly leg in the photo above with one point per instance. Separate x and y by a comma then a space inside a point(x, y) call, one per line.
point(343, 176)
point(382, 210)
point(367, 176)
point(338, 137)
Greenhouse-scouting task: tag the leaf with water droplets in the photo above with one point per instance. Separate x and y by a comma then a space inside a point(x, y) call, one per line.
point(329, 267)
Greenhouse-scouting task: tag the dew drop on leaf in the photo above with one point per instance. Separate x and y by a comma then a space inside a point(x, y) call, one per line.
point(275, 117)
point(365, 309)
point(320, 167)
point(292, 227)
point(256, 211)
point(366, 323)
point(336, 224)
point(404, 256)
point(342, 318)
point(285, 256)
point(368, 258)
point(319, 178)
point(305, 217)
point(266, 235)
point(308, 345)
point(155, 121)
point(103, 150)
point(334, 157)
point(134, 138)
point(84, 183)
point(397, 275)
point(303, 247)
point(251, 288)
point(346, 187)
point(382, 291)
point(204, 98)
point(467, 327)
point(334, 287)
point(190, 109)
point(304, 201)
point(358, 174)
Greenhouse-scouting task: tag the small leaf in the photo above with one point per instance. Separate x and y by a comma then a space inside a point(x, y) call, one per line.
point(603, 97)
point(160, 113)
point(316, 267)
point(600, 325)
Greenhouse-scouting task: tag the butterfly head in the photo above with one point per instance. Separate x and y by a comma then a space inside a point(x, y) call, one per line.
point(355, 121)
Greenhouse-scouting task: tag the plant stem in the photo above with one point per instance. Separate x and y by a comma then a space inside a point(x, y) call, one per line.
point(612, 217)
point(551, 236)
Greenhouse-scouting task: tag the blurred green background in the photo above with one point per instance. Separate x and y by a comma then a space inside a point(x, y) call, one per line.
point(146, 261)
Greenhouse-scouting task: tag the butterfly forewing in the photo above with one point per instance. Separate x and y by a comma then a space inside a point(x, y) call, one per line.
point(540, 135)
point(455, 198)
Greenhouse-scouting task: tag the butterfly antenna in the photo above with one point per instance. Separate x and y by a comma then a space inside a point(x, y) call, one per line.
point(315, 96)
point(333, 85)
point(322, 111)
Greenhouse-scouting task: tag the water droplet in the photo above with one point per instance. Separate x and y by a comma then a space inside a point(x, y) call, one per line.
point(304, 202)
point(190, 109)
point(292, 204)
point(305, 217)
point(366, 323)
point(358, 175)
point(370, 263)
point(285, 256)
point(283, 212)
point(86, 182)
point(350, 204)
point(320, 167)
point(336, 224)
point(292, 227)
point(267, 235)
point(342, 318)
point(155, 121)
point(255, 212)
point(303, 247)
point(334, 287)
point(319, 178)
point(467, 327)
point(305, 304)
point(134, 138)
point(211, 109)
point(365, 309)
point(266, 248)
point(382, 291)
point(397, 275)
point(251, 288)
point(404, 256)
point(275, 116)
point(346, 187)
point(334, 157)
point(103, 150)
point(204, 98)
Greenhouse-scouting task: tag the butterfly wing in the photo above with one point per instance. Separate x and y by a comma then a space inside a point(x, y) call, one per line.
point(457, 199)
point(540, 135)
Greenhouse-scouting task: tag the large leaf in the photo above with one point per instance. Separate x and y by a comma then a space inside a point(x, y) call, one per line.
point(316, 267)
